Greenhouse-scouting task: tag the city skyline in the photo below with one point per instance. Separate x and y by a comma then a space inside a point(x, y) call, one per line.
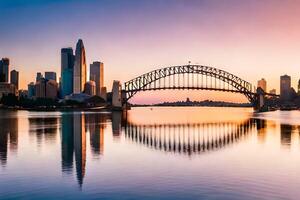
point(150, 99)
point(122, 42)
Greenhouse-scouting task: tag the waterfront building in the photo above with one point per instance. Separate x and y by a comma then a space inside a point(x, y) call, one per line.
point(90, 88)
point(4, 69)
point(67, 67)
point(273, 91)
point(31, 90)
point(40, 88)
point(79, 78)
point(104, 93)
point(80, 97)
point(116, 94)
point(14, 78)
point(285, 87)
point(97, 75)
point(51, 89)
point(262, 83)
point(39, 76)
point(50, 76)
point(23, 93)
point(7, 88)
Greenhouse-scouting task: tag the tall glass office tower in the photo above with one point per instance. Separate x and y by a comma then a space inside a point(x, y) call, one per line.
point(67, 68)
point(79, 68)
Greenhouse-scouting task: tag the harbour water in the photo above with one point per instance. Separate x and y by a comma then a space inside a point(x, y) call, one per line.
point(150, 153)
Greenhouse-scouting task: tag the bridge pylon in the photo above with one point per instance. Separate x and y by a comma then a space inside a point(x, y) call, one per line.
point(259, 104)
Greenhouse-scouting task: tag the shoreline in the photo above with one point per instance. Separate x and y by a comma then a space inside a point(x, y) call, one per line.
point(103, 109)
point(111, 109)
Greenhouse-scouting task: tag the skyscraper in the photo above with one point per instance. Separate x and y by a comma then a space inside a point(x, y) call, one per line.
point(262, 83)
point(14, 78)
point(285, 87)
point(79, 68)
point(50, 76)
point(67, 67)
point(97, 75)
point(39, 76)
point(4, 69)
point(31, 90)
point(67, 58)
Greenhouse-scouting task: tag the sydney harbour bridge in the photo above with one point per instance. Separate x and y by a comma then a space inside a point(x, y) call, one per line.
point(194, 77)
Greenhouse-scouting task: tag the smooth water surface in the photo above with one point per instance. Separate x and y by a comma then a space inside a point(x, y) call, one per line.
point(150, 153)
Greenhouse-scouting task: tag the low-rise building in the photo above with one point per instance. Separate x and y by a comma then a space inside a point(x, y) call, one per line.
point(23, 93)
point(40, 88)
point(7, 88)
point(103, 93)
point(51, 89)
point(90, 88)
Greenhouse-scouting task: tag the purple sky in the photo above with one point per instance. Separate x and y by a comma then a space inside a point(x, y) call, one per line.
point(251, 39)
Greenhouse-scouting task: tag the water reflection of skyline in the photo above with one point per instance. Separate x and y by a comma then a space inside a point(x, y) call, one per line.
point(8, 135)
point(286, 134)
point(184, 138)
point(43, 128)
point(73, 137)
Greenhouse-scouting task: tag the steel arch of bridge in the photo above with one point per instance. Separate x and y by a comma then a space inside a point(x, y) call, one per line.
point(148, 81)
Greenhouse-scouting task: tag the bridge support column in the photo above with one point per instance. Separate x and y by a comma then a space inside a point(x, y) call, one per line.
point(116, 95)
point(260, 100)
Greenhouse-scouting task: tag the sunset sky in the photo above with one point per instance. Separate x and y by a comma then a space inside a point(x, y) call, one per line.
point(251, 39)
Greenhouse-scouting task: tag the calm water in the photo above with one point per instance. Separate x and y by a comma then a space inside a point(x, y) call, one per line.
point(152, 153)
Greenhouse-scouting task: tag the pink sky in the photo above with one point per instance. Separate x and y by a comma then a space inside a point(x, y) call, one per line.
point(251, 39)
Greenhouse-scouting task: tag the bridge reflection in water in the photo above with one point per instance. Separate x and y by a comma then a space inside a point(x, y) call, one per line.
point(190, 138)
point(82, 135)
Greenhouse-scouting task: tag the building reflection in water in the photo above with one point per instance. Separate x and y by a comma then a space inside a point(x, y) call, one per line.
point(74, 129)
point(184, 138)
point(286, 134)
point(67, 142)
point(79, 146)
point(43, 128)
point(116, 123)
point(95, 125)
point(261, 126)
point(8, 135)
